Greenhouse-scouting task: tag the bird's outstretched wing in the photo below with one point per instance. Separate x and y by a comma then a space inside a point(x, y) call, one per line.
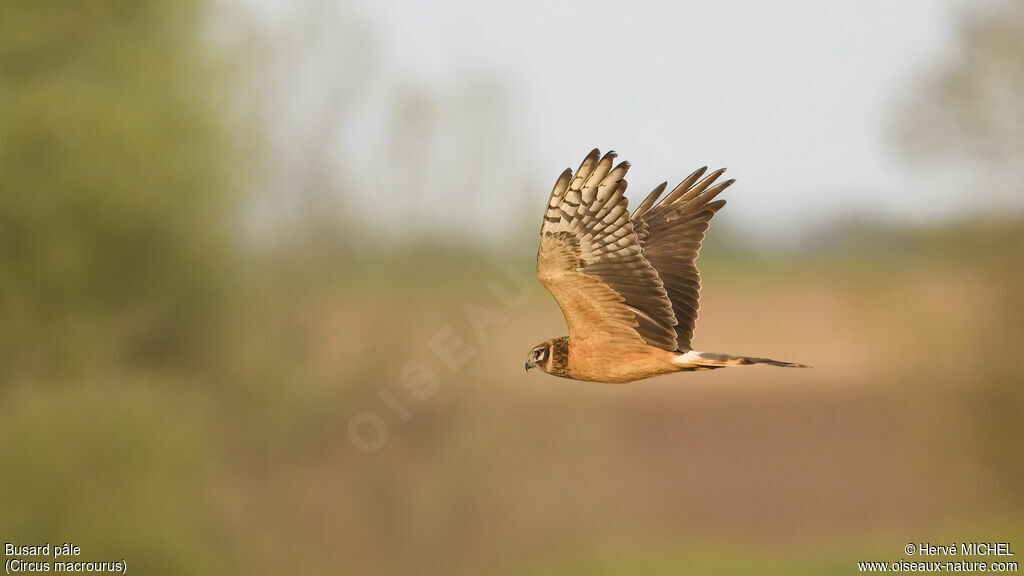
point(670, 234)
point(591, 262)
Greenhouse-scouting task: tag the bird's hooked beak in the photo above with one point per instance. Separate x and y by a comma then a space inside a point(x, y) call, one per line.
point(528, 366)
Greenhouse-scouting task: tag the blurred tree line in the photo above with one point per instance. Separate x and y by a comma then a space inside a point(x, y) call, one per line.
point(968, 110)
point(126, 130)
point(115, 215)
point(968, 113)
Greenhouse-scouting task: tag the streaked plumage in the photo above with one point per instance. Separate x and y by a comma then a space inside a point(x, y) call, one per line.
point(627, 284)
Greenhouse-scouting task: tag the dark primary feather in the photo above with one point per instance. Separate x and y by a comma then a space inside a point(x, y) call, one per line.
point(670, 234)
point(589, 245)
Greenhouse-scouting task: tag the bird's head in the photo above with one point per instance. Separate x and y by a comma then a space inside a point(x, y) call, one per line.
point(551, 356)
point(539, 356)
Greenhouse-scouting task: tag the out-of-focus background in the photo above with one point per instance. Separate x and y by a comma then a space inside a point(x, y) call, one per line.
point(266, 284)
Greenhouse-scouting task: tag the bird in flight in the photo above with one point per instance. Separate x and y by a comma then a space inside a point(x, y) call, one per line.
point(627, 284)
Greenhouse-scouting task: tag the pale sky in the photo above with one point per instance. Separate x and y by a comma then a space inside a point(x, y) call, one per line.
point(795, 98)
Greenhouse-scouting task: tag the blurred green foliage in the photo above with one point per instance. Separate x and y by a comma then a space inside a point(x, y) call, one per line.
point(112, 170)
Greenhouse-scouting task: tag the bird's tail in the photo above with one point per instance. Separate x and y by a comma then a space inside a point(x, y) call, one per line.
point(694, 360)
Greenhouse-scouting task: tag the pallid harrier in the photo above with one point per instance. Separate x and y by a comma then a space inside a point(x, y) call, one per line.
point(627, 285)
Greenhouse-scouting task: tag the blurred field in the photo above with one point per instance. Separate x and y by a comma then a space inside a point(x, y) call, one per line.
point(907, 427)
point(178, 377)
